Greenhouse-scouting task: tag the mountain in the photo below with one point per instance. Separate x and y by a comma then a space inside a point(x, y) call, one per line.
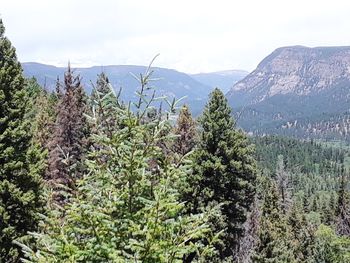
point(169, 82)
point(297, 91)
point(221, 79)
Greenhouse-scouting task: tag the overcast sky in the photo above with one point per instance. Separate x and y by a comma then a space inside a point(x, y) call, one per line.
point(190, 35)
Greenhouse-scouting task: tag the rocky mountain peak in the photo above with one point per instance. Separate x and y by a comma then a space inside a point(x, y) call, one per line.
point(296, 69)
point(298, 91)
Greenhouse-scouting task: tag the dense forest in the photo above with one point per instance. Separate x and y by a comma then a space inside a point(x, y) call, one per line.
point(93, 178)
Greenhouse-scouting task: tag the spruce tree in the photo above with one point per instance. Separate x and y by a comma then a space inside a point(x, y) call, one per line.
point(224, 171)
point(20, 182)
point(69, 141)
point(104, 106)
point(123, 210)
point(185, 129)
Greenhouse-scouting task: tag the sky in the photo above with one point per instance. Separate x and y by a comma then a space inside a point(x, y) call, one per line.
point(190, 35)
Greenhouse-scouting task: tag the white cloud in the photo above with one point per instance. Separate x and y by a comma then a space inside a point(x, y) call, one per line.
point(191, 35)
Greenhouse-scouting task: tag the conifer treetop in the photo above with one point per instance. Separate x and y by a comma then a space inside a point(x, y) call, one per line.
point(2, 28)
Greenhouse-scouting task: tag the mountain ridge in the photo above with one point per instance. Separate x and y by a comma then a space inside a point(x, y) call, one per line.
point(296, 84)
point(171, 83)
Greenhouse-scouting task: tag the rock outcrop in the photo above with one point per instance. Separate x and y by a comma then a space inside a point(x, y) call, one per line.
point(294, 90)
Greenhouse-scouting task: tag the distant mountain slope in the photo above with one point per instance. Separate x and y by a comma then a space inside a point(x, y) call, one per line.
point(297, 91)
point(221, 79)
point(171, 83)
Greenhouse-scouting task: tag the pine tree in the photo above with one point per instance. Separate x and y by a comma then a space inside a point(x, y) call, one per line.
point(20, 182)
point(224, 171)
point(69, 141)
point(185, 129)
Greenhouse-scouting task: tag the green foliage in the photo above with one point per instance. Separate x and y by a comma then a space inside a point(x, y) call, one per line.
point(224, 171)
point(105, 105)
point(330, 248)
point(20, 161)
point(130, 187)
point(273, 244)
point(313, 171)
point(44, 119)
point(342, 210)
point(125, 209)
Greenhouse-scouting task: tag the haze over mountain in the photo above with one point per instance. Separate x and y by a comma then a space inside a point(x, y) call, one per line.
point(169, 82)
point(223, 79)
point(297, 91)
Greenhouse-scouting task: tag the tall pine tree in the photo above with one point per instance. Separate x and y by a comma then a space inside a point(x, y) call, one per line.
point(20, 182)
point(224, 170)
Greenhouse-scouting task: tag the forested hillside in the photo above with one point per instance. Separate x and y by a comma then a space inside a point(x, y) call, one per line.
point(96, 178)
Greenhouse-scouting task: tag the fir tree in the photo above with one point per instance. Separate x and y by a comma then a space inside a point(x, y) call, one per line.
point(20, 182)
point(224, 171)
point(69, 141)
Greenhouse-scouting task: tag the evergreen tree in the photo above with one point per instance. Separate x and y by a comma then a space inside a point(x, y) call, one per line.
point(283, 184)
point(224, 171)
point(185, 129)
point(69, 142)
point(43, 121)
point(105, 104)
point(20, 165)
point(250, 239)
point(123, 210)
point(342, 211)
point(331, 248)
point(302, 234)
point(273, 244)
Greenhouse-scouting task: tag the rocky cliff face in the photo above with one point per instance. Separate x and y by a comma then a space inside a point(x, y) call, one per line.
point(295, 70)
point(295, 89)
